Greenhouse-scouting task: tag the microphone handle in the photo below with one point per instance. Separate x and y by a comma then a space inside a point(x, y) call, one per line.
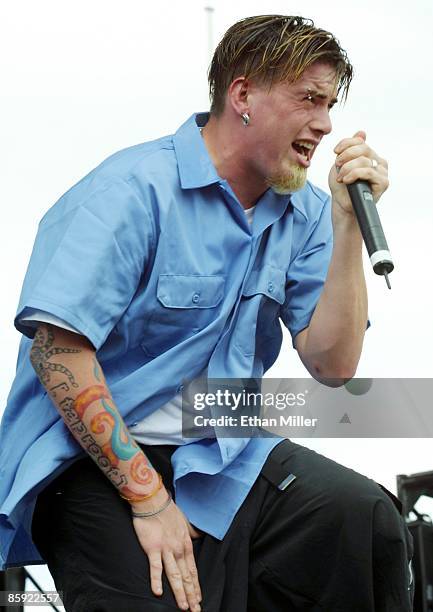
point(371, 227)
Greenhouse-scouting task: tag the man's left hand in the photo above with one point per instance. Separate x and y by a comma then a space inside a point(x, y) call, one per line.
point(355, 161)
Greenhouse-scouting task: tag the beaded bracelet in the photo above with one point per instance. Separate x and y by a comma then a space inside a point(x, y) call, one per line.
point(147, 514)
point(145, 497)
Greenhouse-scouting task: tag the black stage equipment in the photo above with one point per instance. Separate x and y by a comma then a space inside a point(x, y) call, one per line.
point(409, 490)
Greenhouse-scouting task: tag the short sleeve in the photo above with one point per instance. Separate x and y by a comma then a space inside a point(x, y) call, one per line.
point(90, 252)
point(36, 317)
point(307, 273)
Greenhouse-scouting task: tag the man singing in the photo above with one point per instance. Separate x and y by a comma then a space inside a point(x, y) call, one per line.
point(177, 259)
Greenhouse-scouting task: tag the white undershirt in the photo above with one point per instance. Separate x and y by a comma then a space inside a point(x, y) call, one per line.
point(164, 425)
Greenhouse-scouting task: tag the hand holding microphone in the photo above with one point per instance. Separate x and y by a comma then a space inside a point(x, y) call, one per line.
point(365, 175)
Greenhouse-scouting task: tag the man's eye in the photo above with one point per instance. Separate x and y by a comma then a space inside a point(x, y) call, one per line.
point(309, 97)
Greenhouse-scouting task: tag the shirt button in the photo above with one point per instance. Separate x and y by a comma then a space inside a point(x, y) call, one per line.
point(195, 298)
point(270, 287)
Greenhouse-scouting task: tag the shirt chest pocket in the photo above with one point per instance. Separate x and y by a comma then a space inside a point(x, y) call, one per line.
point(267, 281)
point(185, 304)
point(262, 297)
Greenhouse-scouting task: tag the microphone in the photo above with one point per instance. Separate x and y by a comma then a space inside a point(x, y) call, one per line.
point(371, 228)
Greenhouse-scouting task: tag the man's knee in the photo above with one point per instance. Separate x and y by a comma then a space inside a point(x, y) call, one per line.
point(355, 494)
point(359, 496)
point(344, 500)
point(369, 516)
point(348, 493)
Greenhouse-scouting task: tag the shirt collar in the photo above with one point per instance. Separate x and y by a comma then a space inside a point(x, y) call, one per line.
point(195, 165)
point(297, 202)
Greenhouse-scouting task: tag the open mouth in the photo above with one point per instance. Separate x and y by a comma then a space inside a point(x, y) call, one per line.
point(304, 149)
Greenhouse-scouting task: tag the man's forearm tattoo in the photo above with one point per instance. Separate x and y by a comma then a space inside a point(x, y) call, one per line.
point(88, 396)
point(57, 388)
point(120, 445)
point(142, 473)
point(123, 444)
point(140, 470)
point(42, 349)
point(80, 431)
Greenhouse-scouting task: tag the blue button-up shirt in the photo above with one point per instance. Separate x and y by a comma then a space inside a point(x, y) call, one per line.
point(152, 258)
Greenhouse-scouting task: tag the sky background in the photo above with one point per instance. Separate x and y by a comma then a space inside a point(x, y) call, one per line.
point(82, 80)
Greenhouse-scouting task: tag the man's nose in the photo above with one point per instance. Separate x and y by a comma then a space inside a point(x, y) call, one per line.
point(322, 121)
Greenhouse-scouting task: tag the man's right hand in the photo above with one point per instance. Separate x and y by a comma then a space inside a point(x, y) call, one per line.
point(166, 540)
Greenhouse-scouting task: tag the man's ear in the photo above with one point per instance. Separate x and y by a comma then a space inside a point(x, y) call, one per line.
point(237, 95)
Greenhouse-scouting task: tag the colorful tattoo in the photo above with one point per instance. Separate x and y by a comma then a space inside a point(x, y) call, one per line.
point(130, 493)
point(141, 471)
point(88, 396)
point(122, 443)
point(107, 449)
point(79, 430)
point(97, 424)
point(42, 350)
point(120, 446)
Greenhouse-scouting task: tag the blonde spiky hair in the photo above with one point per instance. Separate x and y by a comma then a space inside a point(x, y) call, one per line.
point(273, 48)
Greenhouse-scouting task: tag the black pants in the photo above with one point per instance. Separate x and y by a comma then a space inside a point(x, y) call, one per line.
point(333, 541)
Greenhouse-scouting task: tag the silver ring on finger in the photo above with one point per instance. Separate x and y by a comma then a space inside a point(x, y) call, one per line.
point(374, 163)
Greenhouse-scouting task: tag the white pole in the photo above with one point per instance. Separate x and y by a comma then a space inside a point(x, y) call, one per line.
point(209, 12)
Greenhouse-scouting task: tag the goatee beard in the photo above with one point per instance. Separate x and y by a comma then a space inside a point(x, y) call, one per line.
point(287, 183)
